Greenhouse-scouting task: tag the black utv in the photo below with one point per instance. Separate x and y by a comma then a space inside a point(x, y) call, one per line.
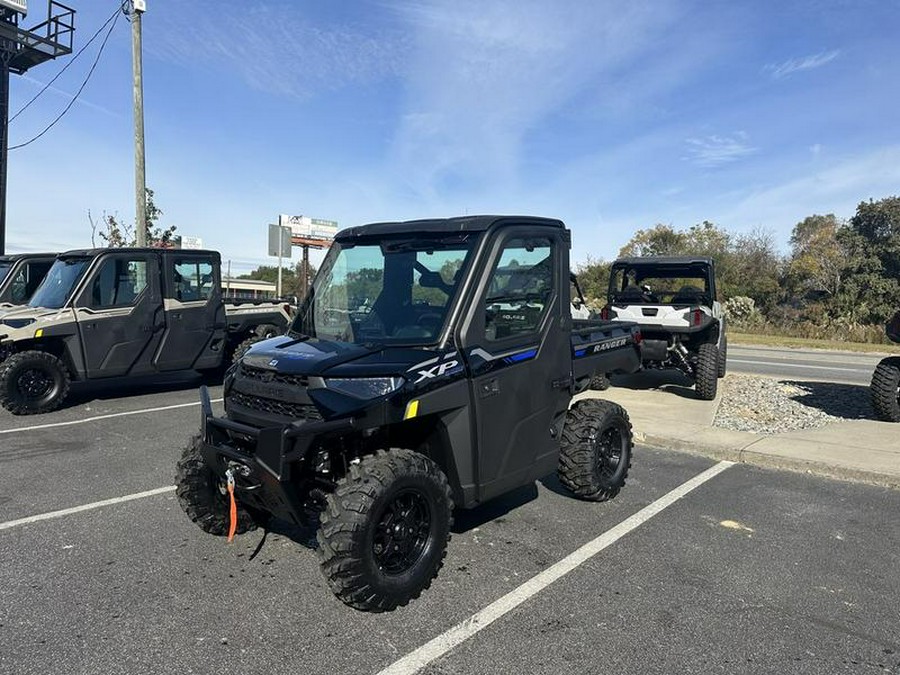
point(431, 366)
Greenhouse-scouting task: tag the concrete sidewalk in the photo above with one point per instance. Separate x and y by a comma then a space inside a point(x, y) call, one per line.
point(665, 414)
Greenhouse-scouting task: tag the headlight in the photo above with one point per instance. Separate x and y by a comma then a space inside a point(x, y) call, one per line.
point(364, 387)
point(18, 323)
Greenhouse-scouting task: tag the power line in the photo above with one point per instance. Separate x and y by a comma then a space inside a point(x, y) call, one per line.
point(80, 89)
point(68, 63)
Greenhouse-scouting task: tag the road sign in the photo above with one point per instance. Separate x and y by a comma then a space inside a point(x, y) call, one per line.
point(309, 228)
point(185, 241)
point(284, 249)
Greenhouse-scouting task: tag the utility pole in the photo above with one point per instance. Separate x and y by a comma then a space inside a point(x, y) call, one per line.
point(138, 7)
point(4, 139)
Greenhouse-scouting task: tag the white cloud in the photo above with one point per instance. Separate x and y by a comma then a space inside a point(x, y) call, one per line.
point(277, 50)
point(837, 188)
point(713, 151)
point(791, 66)
point(484, 75)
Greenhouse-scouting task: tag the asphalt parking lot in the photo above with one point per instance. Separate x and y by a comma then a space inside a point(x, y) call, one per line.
point(751, 571)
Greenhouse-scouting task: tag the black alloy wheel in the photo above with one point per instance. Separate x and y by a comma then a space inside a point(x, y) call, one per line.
point(402, 532)
point(609, 447)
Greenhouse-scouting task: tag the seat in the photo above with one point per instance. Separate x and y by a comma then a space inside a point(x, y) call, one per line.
point(630, 294)
point(687, 295)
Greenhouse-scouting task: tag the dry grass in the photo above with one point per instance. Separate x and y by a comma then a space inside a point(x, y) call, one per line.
point(735, 338)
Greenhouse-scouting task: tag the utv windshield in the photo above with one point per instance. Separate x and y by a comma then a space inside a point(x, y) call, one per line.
point(662, 284)
point(57, 287)
point(393, 291)
point(5, 266)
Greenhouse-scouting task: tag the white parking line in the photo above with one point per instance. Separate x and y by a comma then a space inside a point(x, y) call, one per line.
point(103, 417)
point(421, 657)
point(84, 507)
point(782, 364)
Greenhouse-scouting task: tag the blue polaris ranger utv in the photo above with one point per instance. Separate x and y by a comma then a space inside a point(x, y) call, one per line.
point(430, 367)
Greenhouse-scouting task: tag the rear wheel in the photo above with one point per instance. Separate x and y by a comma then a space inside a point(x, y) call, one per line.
point(384, 531)
point(203, 495)
point(599, 382)
point(885, 389)
point(595, 449)
point(706, 369)
point(32, 382)
point(243, 347)
point(268, 330)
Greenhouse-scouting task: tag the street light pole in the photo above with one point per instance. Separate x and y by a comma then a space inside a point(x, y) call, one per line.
point(138, 7)
point(4, 142)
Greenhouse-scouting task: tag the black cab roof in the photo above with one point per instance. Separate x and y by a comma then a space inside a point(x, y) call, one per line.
point(663, 260)
point(443, 225)
point(94, 252)
point(13, 257)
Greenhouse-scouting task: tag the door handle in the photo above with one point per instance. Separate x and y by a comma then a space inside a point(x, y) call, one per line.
point(562, 383)
point(489, 388)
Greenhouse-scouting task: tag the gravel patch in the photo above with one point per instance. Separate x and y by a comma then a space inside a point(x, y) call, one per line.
point(765, 405)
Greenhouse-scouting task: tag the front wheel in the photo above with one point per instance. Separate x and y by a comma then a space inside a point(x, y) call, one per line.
point(203, 495)
point(706, 371)
point(885, 389)
point(595, 449)
point(32, 382)
point(384, 531)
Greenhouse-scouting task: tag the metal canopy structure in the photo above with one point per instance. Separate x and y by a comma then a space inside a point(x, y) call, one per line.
point(21, 49)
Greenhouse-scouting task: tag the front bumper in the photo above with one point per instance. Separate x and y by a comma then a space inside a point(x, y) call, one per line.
point(268, 482)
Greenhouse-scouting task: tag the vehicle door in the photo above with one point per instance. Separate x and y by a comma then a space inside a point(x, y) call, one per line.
point(517, 344)
point(194, 335)
point(117, 310)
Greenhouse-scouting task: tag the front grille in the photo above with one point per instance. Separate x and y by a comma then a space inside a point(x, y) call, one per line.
point(295, 411)
point(263, 375)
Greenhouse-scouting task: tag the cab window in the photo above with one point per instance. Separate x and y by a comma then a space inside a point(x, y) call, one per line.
point(192, 279)
point(519, 289)
point(118, 282)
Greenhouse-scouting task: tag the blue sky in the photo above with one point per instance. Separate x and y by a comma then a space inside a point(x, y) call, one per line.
point(612, 116)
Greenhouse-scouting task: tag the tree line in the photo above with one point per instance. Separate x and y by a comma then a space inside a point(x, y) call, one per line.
point(840, 279)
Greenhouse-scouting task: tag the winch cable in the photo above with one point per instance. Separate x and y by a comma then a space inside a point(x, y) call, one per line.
point(232, 507)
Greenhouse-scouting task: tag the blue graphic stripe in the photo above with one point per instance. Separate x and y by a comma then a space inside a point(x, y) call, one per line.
point(580, 352)
point(521, 356)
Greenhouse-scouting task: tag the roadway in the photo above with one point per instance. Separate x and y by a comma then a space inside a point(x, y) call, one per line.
point(804, 364)
point(749, 571)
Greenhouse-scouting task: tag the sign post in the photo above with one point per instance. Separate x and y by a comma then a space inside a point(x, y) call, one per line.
point(279, 244)
point(309, 233)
